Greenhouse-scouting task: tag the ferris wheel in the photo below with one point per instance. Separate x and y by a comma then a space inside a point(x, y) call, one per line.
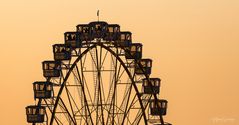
point(97, 77)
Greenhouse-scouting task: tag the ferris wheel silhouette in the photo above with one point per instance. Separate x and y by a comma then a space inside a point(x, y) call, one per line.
point(97, 77)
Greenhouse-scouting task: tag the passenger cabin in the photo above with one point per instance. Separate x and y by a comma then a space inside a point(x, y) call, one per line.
point(98, 29)
point(72, 39)
point(113, 33)
point(158, 107)
point(143, 66)
point(134, 51)
point(84, 31)
point(61, 52)
point(35, 114)
point(154, 88)
point(51, 68)
point(125, 39)
point(42, 89)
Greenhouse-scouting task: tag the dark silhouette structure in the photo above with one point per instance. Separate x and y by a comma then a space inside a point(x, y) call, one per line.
point(72, 39)
point(134, 51)
point(98, 76)
point(35, 114)
point(154, 89)
point(51, 69)
point(113, 33)
point(62, 51)
point(144, 66)
point(42, 89)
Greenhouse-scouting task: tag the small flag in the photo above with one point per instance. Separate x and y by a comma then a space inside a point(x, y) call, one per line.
point(98, 13)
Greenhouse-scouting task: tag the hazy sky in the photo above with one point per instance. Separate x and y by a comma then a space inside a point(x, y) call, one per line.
point(194, 45)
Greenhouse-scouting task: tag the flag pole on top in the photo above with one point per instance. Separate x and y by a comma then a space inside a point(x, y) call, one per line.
point(98, 14)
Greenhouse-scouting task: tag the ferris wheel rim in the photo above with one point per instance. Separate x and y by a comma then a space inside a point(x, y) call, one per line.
point(74, 64)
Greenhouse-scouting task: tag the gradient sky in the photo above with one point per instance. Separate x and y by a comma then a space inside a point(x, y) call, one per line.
point(194, 45)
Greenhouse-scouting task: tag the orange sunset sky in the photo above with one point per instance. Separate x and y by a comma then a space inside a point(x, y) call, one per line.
point(194, 45)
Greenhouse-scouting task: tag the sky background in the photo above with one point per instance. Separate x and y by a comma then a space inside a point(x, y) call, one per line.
point(194, 45)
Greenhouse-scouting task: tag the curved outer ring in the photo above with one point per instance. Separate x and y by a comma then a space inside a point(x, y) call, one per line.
point(122, 63)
